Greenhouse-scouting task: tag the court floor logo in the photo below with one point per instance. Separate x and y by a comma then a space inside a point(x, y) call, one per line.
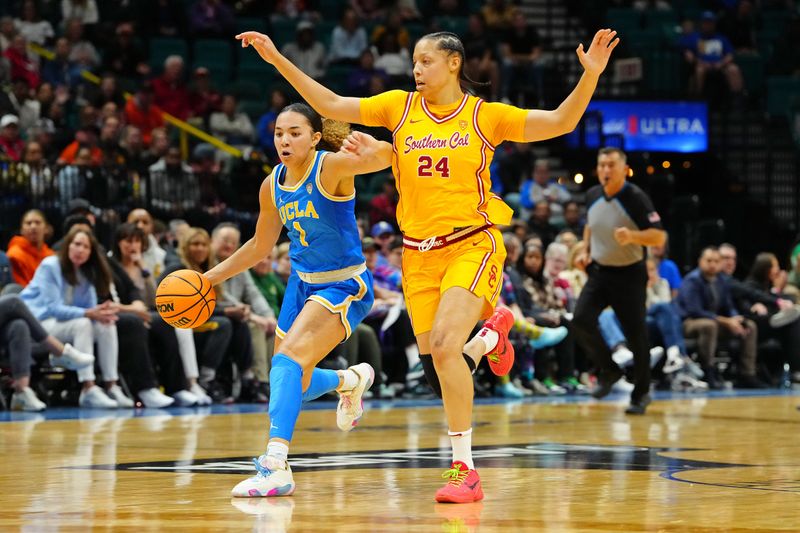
point(536, 455)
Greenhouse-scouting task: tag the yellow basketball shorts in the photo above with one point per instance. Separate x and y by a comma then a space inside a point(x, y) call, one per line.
point(475, 263)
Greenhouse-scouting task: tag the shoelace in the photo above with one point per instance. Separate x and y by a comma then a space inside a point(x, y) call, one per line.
point(493, 357)
point(455, 475)
point(261, 469)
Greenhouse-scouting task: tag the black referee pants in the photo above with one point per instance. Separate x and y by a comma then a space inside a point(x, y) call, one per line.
point(625, 290)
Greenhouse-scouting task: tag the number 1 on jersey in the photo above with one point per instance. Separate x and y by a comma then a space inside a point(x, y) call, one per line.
point(302, 233)
point(425, 164)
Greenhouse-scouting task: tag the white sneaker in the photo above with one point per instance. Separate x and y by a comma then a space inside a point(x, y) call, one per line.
point(155, 398)
point(26, 400)
point(72, 358)
point(351, 407)
point(95, 397)
point(656, 353)
point(622, 356)
point(115, 392)
point(272, 479)
point(184, 398)
point(200, 393)
point(674, 360)
point(622, 385)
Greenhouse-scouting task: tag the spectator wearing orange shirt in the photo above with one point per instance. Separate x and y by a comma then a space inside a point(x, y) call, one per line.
point(26, 251)
point(142, 113)
point(85, 137)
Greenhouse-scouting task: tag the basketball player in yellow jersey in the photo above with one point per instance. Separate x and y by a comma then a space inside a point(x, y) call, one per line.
point(443, 143)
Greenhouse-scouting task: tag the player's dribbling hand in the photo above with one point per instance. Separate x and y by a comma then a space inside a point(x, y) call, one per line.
point(263, 44)
point(594, 61)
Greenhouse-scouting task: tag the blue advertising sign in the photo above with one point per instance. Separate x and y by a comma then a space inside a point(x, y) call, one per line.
point(652, 126)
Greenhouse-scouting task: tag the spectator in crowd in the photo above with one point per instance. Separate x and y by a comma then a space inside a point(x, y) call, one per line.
point(573, 220)
point(348, 39)
point(230, 125)
point(480, 51)
point(83, 10)
point(738, 26)
point(384, 205)
point(163, 18)
point(133, 296)
point(705, 304)
point(707, 52)
point(109, 141)
point(205, 99)
point(142, 113)
point(61, 71)
point(360, 79)
point(169, 90)
point(63, 295)
point(776, 317)
point(550, 297)
point(241, 291)
point(210, 19)
point(153, 255)
point(27, 250)
point(521, 58)
point(18, 327)
point(499, 15)
point(132, 146)
point(575, 274)
point(385, 273)
point(542, 188)
point(38, 177)
point(86, 137)
point(18, 102)
point(81, 51)
point(174, 189)
point(74, 179)
point(270, 285)
point(369, 10)
point(22, 65)
point(7, 32)
point(32, 27)
point(392, 58)
point(283, 264)
point(786, 53)
point(306, 53)
point(108, 92)
point(539, 223)
point(124, 57)
point(213, 339)
point(11, 146)
point(667, 269)
point(265, 129)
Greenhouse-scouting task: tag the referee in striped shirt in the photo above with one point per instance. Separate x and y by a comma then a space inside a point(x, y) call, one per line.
point(621, 222)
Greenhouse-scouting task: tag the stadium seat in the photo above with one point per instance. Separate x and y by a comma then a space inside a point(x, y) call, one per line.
point(782, 92)
point(163, 47)
point(213, 51)
point(246, 89)
point(457, 25)
point(220, 71)
point(624, 19)
point(282, 32)
point(253, 108)
point(244, 24)
point(658, 20)
point(752, 67)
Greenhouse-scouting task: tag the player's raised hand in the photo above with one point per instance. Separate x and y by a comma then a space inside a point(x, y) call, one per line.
point(263, 44)
point(594, 61)
point(360, 144)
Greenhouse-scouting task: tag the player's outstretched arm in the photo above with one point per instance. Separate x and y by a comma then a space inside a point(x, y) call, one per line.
point(268, 229)
point(361, 153)
point(323, 100)
point(541, 125)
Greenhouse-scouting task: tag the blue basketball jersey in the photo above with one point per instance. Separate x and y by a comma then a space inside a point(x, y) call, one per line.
point(322, 228)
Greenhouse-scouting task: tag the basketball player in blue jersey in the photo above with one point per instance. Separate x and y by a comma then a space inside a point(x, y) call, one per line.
point(311, 192)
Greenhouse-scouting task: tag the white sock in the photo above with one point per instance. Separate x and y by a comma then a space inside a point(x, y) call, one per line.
point(673, 352)
point(412, 354)
point(278, 450)
point(349, 380)
point(461, 441)
point(489, 338)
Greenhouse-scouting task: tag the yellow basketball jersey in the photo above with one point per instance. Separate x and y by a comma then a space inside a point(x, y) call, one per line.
point(441, 158)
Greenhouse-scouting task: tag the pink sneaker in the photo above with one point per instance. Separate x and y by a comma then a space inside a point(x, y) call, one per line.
point(501, 359)
point(464, 485)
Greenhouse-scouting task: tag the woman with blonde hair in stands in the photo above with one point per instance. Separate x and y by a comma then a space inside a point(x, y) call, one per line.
point(63, 295)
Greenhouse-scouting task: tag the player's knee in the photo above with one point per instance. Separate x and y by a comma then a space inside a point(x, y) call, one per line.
point(297, 354)
point(444, 345)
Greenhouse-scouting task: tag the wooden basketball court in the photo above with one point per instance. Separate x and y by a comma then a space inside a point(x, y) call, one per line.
point(709, 464)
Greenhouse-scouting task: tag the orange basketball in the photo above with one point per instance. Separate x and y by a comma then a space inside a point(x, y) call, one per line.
point(185, 299)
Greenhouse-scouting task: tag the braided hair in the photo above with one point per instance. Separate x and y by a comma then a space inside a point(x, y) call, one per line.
point(450, 43)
